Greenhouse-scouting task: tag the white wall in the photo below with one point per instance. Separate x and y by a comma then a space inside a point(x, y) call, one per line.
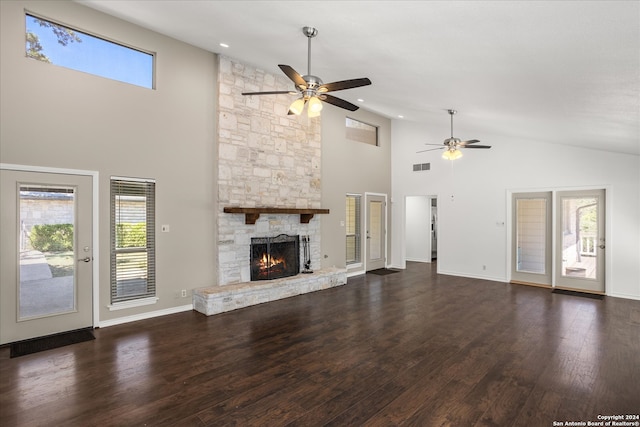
point(472, 199)
point(350, 167)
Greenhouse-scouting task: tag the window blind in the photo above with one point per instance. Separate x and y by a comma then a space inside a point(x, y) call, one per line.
point(133, 272)
point(361, 132)
point(352, 226)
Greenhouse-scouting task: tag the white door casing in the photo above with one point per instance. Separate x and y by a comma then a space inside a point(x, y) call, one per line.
point(27, 310)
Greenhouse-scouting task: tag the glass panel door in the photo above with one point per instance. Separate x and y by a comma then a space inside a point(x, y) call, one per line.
point(581, 240)
point(530, 235)
point(375, 233)
point(47, 260)
point(375, 236)
point(46, 285)
point(531, 242)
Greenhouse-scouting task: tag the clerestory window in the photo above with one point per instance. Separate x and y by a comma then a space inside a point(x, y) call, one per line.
point(58, 44)
point(361, 132)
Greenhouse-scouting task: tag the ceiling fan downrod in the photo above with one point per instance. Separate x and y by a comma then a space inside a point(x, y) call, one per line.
point(452, 112)
point(310, 32)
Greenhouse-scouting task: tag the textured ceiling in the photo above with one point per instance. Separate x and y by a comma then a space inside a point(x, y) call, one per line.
point(564, 72)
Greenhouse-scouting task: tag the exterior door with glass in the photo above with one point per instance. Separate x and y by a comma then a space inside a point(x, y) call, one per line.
point(531, 242)
point(376, 233)
point(47, 254)
point(580, 240)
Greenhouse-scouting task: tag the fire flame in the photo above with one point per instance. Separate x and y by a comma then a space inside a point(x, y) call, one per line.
point(267, 262)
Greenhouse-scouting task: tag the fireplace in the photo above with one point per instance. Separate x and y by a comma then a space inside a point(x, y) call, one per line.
point(274, 257)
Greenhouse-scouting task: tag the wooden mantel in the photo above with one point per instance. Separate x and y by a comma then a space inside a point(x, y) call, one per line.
point(251, 215)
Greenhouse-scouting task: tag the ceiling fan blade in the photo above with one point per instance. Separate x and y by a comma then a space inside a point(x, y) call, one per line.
point(344, 84)
point(338, 102)
point(274, 92)
point(431, 149)
point(476, 146)
point(293, 75)
point(471, 141)
point(426, 143)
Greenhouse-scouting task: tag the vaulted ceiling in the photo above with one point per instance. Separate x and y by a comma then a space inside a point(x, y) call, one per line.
point(564, 72)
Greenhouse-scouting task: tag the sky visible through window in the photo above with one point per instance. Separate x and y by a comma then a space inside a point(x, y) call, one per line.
point(93, 55)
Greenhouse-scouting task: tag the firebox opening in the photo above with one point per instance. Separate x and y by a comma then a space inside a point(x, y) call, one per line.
point(274, 257)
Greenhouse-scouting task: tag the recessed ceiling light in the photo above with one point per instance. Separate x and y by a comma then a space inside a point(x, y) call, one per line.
point(224, 45)
point(360, 100)
point(400, 116)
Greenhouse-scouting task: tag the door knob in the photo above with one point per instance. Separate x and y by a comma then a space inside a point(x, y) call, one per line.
point(601, 246)
point(85, 259)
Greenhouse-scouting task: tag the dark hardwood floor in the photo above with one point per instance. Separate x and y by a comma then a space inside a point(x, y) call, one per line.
point(411, 348)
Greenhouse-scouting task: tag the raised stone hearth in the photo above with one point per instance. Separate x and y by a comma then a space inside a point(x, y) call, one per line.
point(218, 299)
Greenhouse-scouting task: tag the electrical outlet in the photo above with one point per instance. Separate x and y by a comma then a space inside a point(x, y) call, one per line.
point(183, 293)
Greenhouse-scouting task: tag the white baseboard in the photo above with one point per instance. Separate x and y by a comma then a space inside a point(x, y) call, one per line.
point(473, 276)
point(355, 273)
point(143, 316)
point(625, 296)
point(419, 260)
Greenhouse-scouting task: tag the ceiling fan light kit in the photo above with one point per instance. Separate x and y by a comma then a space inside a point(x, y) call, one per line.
point(452, 145)
point(452, 154)
point(297, 106)
point(311, 88)
point(314, 107)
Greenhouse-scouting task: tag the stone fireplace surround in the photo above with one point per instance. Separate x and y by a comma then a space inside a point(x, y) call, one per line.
point(265, 158)
point(234, 266)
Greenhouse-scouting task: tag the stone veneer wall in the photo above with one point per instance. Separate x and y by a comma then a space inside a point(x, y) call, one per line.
point(265, 158)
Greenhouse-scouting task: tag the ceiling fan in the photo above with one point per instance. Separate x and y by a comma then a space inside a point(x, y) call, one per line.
point(452, 144)
point(312, 90)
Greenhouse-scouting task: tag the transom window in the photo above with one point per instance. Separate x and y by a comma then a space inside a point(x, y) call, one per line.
point(361, 132)
point(58, 44)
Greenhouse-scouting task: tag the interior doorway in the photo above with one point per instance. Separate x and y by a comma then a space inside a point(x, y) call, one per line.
point(421, 228)
point(434, 228)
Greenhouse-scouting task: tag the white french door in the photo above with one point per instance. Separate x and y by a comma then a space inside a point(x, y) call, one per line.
point(580, 240)
point(47, 253)
point(376, 232)
point(531, 243)
point(576, 260)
